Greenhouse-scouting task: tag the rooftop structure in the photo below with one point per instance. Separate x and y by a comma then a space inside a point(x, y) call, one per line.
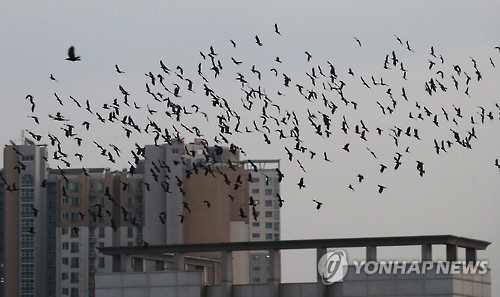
point(124, 255)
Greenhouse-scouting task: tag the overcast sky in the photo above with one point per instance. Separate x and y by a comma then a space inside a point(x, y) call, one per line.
point(458, 194)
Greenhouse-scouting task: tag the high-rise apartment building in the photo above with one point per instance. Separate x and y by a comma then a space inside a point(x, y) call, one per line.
point(54, 219)
point(27, 270)
point(264, 190)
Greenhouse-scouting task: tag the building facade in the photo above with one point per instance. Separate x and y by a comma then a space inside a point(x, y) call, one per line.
point(264, 188)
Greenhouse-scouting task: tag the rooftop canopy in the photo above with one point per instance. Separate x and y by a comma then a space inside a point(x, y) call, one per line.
point(425, 240)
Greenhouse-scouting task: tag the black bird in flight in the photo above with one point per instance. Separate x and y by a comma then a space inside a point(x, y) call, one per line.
point(318, 204)
point(118, 69)
point(358, 41)
point(301, 183)
point(257, 40)
point(242, 213)
point(71, 54)
point(309, 56)
point(276, 29)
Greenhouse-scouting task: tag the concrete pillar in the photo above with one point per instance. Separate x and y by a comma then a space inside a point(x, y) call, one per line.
point(128, 263)
point(451, 252)
point(470, 255)
point(321, 286)
point(226, 264)
point(371, 253)
point(274, 272)
point(179, 261)
point(122, 263)
point(426, 252)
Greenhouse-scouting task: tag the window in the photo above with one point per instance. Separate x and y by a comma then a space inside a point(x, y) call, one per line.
point(256, 268)
point(27, 158)
point(255, 180)
point(130, 202)
point(256, 257)
point(256, 279)
point(276, 236)
point(130, 232)
point(277, 215)
point(65, 260)
point(101, 232)
point(268, 192)
point(269, 214)
point(269, 236)
point(75, 262)
point(65, 246)
point(74, 247)
point(64, 276)
point(175, 151)
point(269, 225)
point(101, 262)
point(255, 235)
point(65, 291)
point(74, 216)
point(74, 292)
point(74, 202)
point(100, 187)
point(64, 215)
point(75, 232)
point(64, 230)
point(74, 277)
point(255, 191)
point(64, 200)
point(268, 203)
point(73, 187)
point(255, 224)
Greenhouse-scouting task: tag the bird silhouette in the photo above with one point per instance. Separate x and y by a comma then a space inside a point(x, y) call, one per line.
point(318, 204)
point(71, 54)
point(276, 30)
point(257, 40)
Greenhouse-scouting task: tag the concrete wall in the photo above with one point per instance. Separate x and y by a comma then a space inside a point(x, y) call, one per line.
point(189, 283)
point(428, 284)
point(239, 232)
point(152, 284)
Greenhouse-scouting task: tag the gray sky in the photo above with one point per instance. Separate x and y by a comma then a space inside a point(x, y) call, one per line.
point(458, 193)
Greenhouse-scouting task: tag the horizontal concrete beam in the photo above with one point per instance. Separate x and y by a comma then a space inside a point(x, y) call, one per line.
point(302, 244)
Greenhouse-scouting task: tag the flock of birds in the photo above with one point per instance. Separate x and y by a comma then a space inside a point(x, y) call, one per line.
point(330, 110)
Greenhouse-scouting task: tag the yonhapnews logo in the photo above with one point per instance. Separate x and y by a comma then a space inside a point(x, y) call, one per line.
point(332, 266)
